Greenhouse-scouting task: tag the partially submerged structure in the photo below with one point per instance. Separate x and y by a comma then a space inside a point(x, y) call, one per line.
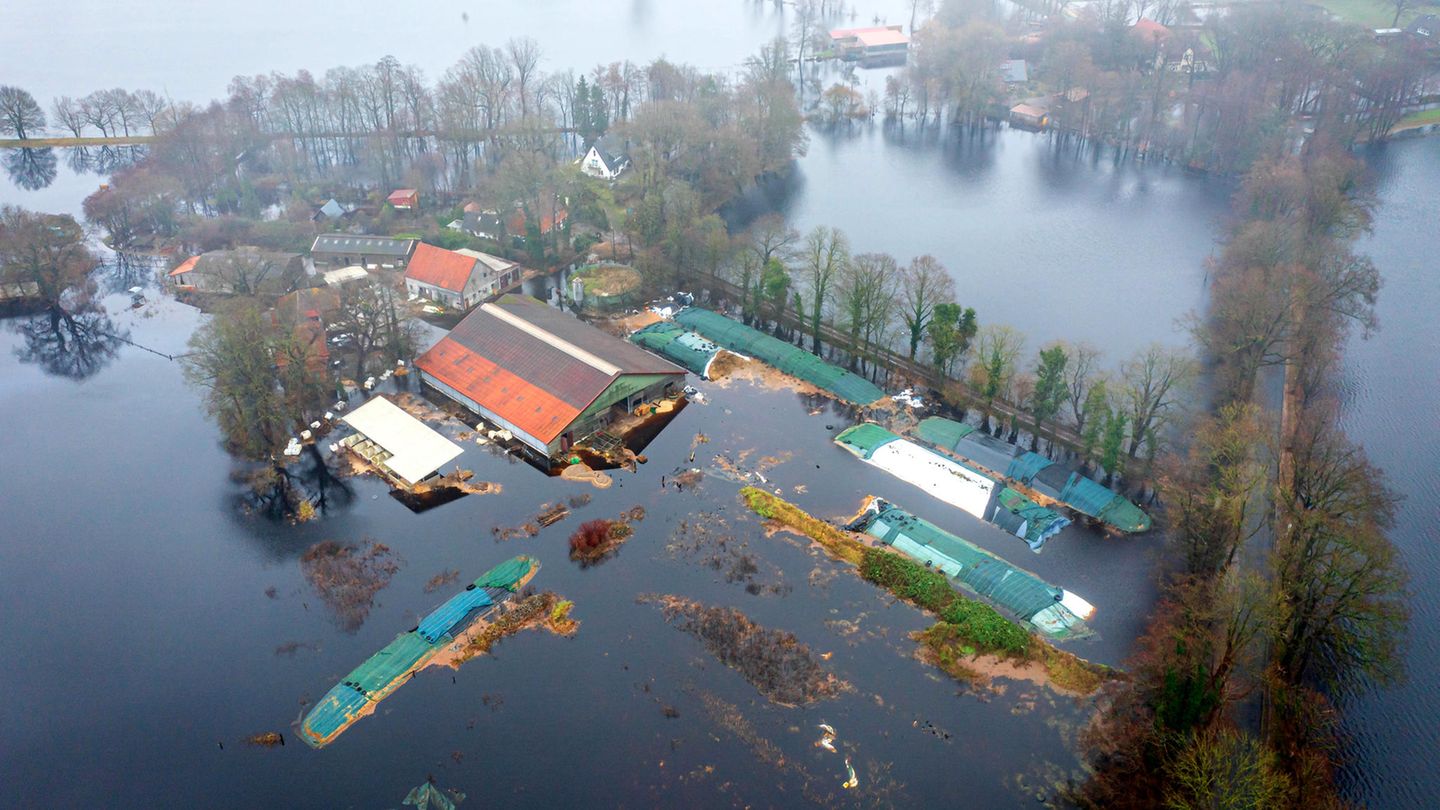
point(792, 360)
point(447, 626)
point(679, 345)
point(969, 488)
point(950, 481)
point(1069, 487)
point(876, 45)
point(548, 378)
point(400, 446)
point(1050, 609)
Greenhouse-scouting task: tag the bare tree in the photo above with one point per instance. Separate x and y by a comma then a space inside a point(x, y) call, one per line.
point(823, 258)
point(524, 54)
point(1151, 381)
point(19, 114)
point(925, 284)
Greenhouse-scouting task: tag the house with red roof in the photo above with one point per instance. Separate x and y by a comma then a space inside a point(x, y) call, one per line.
point(545, 376)
point(459, 279)
point(404, 199)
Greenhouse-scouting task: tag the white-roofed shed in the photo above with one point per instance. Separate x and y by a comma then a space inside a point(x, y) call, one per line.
point(408, 448)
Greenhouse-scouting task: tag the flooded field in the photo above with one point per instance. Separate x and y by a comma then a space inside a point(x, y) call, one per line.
point(152, 606)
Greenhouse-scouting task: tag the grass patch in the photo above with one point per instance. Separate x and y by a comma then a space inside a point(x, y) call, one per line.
point(771, 507)
point(964, 620)
point(1417, 119)
point(1369, 13)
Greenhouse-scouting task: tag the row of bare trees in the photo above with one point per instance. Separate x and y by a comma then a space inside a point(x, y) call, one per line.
point(1288, 590)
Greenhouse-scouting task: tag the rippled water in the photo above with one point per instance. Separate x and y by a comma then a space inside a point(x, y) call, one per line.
point(1392, 398)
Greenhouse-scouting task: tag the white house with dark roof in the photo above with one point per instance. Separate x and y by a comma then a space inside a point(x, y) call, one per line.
point(606, 159)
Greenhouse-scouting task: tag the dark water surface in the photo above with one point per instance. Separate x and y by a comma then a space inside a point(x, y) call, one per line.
point(133, 595)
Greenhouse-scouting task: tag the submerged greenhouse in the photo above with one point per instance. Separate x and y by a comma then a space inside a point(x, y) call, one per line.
point(678, 345)
point(950, 481)
point(358, 693)
point(1070, 487)
point(792, 360)
point(1050, 609)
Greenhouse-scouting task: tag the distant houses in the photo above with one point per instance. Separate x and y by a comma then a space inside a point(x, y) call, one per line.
point(331, 211)
point(877, 45)
point(459, 279)
point(372, 252)
point(241, 271)
point(551, 216)
point(605, 159)
point(483, 224)
point(1029, 116)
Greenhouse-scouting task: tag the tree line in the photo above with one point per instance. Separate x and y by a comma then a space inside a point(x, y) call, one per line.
point(1286, 591)
point(1254, 77)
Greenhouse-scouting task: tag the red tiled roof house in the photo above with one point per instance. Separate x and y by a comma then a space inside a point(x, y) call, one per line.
point(458, 278)
point(545, 376)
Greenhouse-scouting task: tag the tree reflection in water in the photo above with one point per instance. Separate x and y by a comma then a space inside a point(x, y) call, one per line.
point(302, 489)
point(74, 345)
point(30, 169)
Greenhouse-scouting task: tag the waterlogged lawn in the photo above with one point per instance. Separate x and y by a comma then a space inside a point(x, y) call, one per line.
point(1369, 13)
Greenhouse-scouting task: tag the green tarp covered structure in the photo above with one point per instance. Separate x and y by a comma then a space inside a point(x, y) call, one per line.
point(1008, 587)
point(677, 344)
point(1027, 519)
point(943, 433)
point(792, 360)
point(865, 438)
point(1103, 503)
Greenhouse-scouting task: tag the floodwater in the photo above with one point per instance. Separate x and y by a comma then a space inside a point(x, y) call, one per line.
point(142, 637)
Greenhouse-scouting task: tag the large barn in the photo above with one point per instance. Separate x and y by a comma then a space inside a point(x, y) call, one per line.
point(546, 377)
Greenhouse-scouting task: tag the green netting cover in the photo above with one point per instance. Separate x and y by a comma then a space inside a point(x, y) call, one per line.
point(864, 439)
point(1025, 467)
point(1090, 498)
point(670, 340)
point(1041, 524)
point(1013, 589)
point(792, 360)
point(941, 432)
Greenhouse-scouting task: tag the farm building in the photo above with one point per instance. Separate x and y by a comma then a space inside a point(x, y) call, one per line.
point(344, 250)
point(877, 45)
point(398, 444)
point(457, 278)
point(241, 271)
point(548, 378)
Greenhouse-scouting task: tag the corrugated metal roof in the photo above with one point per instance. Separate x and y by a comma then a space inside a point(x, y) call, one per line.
point(439, 267)
point(539, 374)
point(368, 245)
point(528, 407)
point(630, 359)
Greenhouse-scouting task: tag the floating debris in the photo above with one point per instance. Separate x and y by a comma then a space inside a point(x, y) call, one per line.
point(441, 579)
point(853, 781)
point(289, 648)
point(430, 797)
point(347, 578)
point(773, 661)
point(827, 737)
point(267, 739)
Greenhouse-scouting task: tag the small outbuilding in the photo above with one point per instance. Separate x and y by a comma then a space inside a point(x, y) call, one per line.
point(396, 443)
point(1029, 116)
point(404, 199)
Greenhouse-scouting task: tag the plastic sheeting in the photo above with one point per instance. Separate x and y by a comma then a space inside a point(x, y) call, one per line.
point(941, 432)
point(673, 342)
point(1038, 523)
point(792, 360)
point(388, 669)
point(1009, 587)
point(1025, 467)
point(942, 478)
point(1103, 503)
